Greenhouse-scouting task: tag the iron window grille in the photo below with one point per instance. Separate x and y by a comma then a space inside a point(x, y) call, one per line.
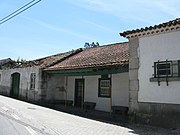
point(32, 81)
point(163, 69)
point(104, 87)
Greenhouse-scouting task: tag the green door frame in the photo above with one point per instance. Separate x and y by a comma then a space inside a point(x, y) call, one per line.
point(15, 82)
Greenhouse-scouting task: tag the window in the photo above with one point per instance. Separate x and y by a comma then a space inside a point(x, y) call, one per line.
point(104, 87)
point(163, 69)
point(32, 81)
point(166, 71)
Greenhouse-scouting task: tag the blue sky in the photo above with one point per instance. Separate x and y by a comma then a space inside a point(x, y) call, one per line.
point(55, 26)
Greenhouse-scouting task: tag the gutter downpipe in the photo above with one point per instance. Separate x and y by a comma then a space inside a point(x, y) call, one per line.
point(111, 95)
point(66, 91)
point(82, 101)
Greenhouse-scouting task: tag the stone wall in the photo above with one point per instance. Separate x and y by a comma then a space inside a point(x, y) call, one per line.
point(25, 93)
point(133, 75)
point(163, 115)
point(158, 114)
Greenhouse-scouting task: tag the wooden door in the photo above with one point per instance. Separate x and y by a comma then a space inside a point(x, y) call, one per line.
point(79, 92)
point(15, 78)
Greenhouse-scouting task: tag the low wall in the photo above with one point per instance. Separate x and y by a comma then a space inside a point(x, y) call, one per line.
point(163, 115)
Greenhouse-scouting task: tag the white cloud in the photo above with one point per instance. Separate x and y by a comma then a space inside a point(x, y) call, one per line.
point(169, 7)
point(100, 26)
point(58, 29)
point(145, 11)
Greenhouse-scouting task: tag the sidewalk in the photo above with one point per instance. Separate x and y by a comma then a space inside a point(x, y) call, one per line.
point(94, 114)
point(67, 124)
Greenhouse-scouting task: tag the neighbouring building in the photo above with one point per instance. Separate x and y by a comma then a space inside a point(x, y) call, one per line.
point(95, 76)
point(154, 73)
point(26, 80)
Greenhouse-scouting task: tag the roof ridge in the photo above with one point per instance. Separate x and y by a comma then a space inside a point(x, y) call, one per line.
point(54, 55)
point(5, 59)
point(66, 57)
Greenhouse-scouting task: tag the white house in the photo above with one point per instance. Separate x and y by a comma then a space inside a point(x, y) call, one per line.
point(154, 73)
point(97, 75)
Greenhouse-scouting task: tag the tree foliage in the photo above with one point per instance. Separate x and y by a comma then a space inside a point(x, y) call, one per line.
point(21, 61)
point(88, 45)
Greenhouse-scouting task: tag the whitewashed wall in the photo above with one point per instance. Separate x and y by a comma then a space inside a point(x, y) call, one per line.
point(151, 49)
point(24, 80)
point(120, 87)
point(71, 88)
point(55, 86)
point(120, 91)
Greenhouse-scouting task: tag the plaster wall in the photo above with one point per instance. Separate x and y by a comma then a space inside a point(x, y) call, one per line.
point(24, 92)
point(55, 87)
point(151, 49)
point(120, 94)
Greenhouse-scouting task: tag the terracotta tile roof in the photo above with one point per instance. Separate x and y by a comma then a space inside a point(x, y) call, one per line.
point(4, 61)
point(163, 27)
point(53, 59)
point(103, 56)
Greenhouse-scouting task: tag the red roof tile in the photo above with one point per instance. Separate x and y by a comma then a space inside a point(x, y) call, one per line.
point(162, 26)
point(103, 56)
point(53, 59)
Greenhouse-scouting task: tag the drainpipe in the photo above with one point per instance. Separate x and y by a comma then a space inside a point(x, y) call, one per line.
point(110, 95)
point(82, 101)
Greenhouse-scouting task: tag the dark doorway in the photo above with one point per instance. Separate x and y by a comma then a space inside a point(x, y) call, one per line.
point(15, 81)
point(79, 93)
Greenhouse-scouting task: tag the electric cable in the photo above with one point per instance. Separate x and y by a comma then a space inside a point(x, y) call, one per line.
point(17, 12)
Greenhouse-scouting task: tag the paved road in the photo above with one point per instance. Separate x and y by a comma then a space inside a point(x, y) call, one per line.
point(11, 127)
point(20, 118)
point(14, 123)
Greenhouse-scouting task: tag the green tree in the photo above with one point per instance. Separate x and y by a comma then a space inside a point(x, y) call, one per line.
point(87, 45)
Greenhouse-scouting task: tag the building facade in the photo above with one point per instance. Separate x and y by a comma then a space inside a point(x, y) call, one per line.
point(154, 74)
point(95, 76)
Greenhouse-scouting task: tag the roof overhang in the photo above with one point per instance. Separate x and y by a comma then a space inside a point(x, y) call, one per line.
point(90, 71)
point(170, 26)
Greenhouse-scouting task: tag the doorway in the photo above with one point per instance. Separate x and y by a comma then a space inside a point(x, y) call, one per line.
point(15, 81)
point(79, 93)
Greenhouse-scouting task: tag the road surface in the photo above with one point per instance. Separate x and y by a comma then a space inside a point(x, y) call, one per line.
point(12, 123)
point(21, 118)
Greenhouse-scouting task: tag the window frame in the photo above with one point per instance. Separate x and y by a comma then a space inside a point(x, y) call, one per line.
point(99, 88)
point(169, 69)
point(32, 81)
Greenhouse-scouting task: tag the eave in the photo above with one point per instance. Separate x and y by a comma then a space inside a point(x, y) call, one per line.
point(90, 71)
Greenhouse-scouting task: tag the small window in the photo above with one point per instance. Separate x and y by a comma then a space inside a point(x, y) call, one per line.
point(104, 87)
point(163, 69)
point(32, 81)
